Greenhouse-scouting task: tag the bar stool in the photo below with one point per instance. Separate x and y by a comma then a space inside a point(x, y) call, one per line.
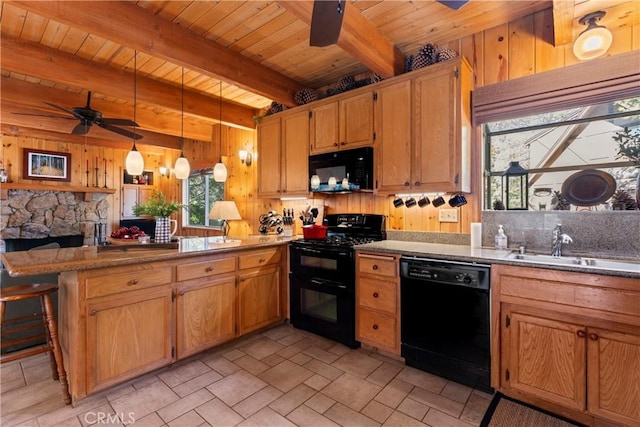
point(43, 291)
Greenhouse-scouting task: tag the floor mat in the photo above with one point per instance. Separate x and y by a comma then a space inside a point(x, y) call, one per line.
point(506, 412)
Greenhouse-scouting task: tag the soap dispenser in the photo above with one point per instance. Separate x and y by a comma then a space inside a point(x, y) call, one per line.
point(501, 238)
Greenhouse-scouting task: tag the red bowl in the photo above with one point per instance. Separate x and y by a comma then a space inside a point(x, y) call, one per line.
point(317, 232)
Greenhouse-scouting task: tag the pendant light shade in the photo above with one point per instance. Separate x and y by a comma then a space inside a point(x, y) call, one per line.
point(182, 169)
point(220, 170)
point(134, 163)
point(593, 42)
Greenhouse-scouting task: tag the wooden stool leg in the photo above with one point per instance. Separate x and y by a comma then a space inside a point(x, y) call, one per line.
point(57, 352)
point(52, 358)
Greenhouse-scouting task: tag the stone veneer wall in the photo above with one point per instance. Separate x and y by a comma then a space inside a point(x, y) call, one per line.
point(28, 214)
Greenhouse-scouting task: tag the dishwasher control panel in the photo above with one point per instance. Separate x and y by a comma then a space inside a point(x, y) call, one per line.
point(445, 272)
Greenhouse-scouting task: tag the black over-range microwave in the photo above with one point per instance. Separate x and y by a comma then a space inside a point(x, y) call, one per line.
point(327, 171)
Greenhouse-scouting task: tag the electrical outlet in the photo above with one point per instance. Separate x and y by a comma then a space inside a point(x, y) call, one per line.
point(448, 215)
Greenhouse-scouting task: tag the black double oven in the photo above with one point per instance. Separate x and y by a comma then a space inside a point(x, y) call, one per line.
point(322, 276)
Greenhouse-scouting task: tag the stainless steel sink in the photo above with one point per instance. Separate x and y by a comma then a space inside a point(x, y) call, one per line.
point(606, 264)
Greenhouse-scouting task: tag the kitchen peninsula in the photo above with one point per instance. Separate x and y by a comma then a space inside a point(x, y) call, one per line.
point(127, 311)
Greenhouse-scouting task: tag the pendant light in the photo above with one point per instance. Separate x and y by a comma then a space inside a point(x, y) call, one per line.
point(134, 162)
point(182, 168)
point(220, 170)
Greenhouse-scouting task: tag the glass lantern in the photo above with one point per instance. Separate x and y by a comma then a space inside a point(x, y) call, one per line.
point(515, 182)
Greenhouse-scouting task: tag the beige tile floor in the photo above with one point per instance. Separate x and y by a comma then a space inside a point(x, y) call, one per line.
point(280, 377)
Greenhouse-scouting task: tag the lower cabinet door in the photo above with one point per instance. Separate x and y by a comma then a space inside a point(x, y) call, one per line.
point(376, 329)
point(614, 375)
point(206, 315)
point(127, 335)
point(547, 359)
point(258, 299)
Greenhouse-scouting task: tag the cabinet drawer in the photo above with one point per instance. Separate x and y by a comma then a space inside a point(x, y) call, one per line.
point(259, 258)
point(377, 294)
point(206, 268)
point(377, 329)
point(129, 281)
point(380, 265)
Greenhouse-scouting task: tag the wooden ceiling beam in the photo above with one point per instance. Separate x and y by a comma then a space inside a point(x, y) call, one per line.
point(563, 22)
point(29, 97)
point(126, 23)
point(359, 38)
point(36, 60)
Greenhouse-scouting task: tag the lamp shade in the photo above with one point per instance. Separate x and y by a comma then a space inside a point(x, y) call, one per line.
point(593, 42)
point(182, 168)
point(219, 172)
point(224, 209)
point(134, 162)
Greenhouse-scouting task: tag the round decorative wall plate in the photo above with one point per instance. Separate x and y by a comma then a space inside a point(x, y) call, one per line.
point(589, 187)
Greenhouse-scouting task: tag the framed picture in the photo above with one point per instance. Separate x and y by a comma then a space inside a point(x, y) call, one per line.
point(49, 165)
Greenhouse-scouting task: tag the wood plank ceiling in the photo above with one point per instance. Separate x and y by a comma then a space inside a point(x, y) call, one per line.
point(248, 52)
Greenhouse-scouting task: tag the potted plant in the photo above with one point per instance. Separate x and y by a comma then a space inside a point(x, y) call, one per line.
point(629, 148)
point(161, 209)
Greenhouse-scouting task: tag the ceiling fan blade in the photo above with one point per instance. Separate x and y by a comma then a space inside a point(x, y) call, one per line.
point(453, 4)
point(326, 22)
point(122, 132)
point(81, 128)
point(64, 109)
point(117, 122)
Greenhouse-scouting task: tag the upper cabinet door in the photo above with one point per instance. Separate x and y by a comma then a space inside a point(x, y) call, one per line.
point(295, 149)
point(356, 121)
point(324, 132)
point(269, 162)
point(443, 128)
point(393, 138)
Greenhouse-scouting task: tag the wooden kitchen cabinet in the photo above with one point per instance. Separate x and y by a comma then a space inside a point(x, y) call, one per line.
point(127, 335)
point(378, 301)
point(259, 289)
point(206, 315)
point(283, 168)
point(568, 342)
point(345, 123)
point(133, 194)
point(442, 127)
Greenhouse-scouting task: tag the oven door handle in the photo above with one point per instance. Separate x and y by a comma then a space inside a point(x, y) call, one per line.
point(327, 283)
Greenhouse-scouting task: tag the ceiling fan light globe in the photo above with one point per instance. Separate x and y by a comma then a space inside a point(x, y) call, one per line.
point(182, 169)
point(134, 162)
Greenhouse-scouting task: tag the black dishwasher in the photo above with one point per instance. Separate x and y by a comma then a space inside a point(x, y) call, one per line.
point(445, 319)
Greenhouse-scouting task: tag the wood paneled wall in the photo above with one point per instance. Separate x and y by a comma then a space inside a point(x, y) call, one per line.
point(508, 51)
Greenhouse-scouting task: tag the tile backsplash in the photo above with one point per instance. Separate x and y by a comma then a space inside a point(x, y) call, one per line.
point(606, 233)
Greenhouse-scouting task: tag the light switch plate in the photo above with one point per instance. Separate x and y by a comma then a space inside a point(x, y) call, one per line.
point(448, 215)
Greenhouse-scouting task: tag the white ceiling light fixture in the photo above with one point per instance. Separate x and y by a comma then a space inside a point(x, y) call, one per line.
point(182, 169)
point(595, 41)
point(220, 170)
point(134, 163)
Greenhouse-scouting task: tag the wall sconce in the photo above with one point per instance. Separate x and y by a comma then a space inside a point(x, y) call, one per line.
point(515, 182)
point(595, 41)
point(245, 157)
point(164, 171)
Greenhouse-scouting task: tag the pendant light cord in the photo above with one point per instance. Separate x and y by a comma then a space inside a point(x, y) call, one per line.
point(182, 117)
point(135, 85)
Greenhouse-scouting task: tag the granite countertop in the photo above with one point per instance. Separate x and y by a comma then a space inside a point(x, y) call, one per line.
point(27, 263)
point(466, 253)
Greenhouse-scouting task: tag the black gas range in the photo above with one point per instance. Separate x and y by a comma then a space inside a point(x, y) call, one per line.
point(322, 276)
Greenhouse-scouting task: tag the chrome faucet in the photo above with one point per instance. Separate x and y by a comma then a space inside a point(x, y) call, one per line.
point(559, 238)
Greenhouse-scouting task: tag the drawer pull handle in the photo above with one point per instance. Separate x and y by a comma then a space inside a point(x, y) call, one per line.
point(581, 333)
point(375, 295)
point(261, 260)
point(133, 282)
point(375, 327)
point(593, 336)
point(375, 266)
point(182, 292)
point(93, 312)
point(208, 269)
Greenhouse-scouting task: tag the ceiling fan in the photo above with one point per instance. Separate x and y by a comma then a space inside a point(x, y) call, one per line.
point(89, 117)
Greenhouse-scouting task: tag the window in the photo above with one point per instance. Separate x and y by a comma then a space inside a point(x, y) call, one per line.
point(556, 146)
point(200, 193)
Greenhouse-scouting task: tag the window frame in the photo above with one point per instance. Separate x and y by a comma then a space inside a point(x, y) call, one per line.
point(209, 224)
